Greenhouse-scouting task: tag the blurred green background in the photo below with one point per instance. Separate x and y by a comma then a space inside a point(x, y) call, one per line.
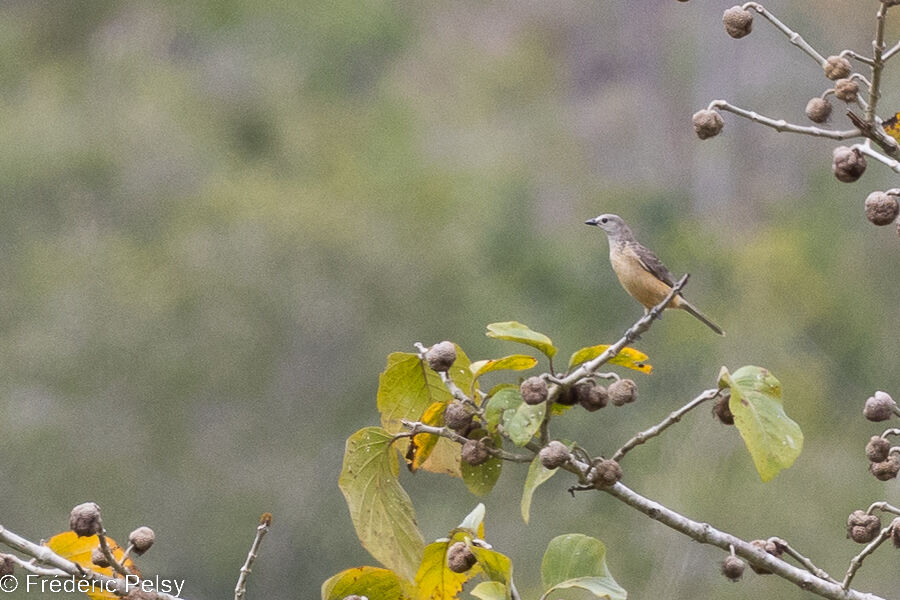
point(218, 218)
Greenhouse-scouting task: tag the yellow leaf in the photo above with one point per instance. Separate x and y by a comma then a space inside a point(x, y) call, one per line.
point(514, 362)
point(627, 357)
point(79, 550)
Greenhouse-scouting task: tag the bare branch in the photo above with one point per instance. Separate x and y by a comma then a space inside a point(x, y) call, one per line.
point(872, 153)
point(657, 429)
point(108, 554)
point(781, 125)
point(794, 37)
point(707, 534)
point(877, 62)
point(265, 521)
point(631, 334)
point(857, 560)
point(851, 54)
point(884, 507)
point(889, 53)
point(806, 562)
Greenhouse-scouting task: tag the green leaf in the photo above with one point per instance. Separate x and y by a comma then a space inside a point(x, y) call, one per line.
point(380, 509)
point(523, 422)
point(627, 357)
point(773, 439)
point(407, 387)
point(434, 580)
point(490, 590)
point(494, 565)
point(576, 560)
point(514, 331)
point(480, 479)
point(506, 398)
point(600, 587)
point(372, 582)
point(513, 362)
point(537, 474)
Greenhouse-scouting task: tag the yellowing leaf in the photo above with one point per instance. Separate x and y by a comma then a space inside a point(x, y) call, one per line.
point(514, 331)
point(422, 444)
point(434, 580)
point(79, 550)
point(773, 439)
point(514, 362)
point(627, 357)
point(380, 509)
point(407, 387)
point(371, 582)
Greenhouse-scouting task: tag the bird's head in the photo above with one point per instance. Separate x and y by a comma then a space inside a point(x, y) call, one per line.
point(613, 225)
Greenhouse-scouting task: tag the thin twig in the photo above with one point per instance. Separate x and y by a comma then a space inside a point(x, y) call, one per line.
point(640, 326)
point(877, 62)
point(415, 428)
point(857, 560)
point(863, 59)
point(108, 554)
point(265, 521)
point(33, 568)
point(889, 53)
point(803, 560)
point(890, 163)
point(884, 507)
point(657, 429)
point(781, 125)
point(794, 37)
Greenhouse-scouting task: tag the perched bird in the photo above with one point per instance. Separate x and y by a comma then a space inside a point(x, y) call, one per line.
point(640, 272)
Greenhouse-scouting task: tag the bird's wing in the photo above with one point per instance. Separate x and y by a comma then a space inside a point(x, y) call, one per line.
point(653, 265)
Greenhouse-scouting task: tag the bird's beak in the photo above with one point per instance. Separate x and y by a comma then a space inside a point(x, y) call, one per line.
point(591, 221)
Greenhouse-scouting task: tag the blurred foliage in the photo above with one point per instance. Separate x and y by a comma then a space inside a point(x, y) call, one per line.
point(219, 218)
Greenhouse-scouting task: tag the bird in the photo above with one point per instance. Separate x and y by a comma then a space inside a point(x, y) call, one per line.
point(641, 273)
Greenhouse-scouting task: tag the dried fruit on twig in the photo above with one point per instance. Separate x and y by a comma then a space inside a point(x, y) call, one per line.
point(733, 567)
point(879, 407)
point(862, 527)
point(534, 390)
point(707, 123)
point(441, 356)
point(848, 164)
point(738, 22)
point(460, 558)
point(554, 455)
point(837, 67)
point(846, 90)
point(881, 208)
point(818, 109)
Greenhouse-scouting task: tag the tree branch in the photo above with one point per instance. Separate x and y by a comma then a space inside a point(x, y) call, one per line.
point(657, 429)
point(265, 521)
point(794, 37)
point(707, 534)
point(782, 125)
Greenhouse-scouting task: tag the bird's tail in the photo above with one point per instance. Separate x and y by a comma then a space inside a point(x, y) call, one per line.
point(685, 305)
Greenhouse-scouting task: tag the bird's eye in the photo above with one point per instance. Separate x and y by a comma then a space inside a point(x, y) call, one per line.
point(604, 220)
